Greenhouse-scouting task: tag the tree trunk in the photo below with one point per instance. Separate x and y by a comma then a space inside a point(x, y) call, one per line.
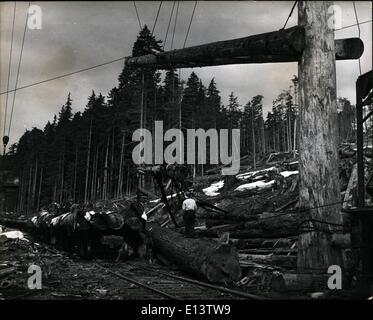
point(87, 165)
point(75, 172)
point(119, 187)
point(39, 193)
point(318, 151)
point(207, 259)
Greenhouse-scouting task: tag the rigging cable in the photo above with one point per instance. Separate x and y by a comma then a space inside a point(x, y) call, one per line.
point(190, 23)
point(137, 14)
point(18, 70)
point(358, 28)
point(168, 26)
point(291, 12)
point(353, 25)
point(64, 75)
point(10, 63)
point(156, 18)
point(173, 34)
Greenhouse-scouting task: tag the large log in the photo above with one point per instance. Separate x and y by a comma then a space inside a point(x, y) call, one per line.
point(205, 258)
point(277, 46)
point(265, 225)
point(284, 261)
point(292, 282)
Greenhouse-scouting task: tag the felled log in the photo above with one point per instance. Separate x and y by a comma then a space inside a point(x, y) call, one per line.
point(292, 282)
point(205, 258)
point(265, 225)
point(284, 261)
point(263, 243)
point(275, 224)
point(215, 231)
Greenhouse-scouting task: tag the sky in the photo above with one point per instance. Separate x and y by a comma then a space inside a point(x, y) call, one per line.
point(76, 35)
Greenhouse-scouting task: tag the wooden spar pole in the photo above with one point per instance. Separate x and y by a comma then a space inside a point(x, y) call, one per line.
point(278, 46)
point(318, 140)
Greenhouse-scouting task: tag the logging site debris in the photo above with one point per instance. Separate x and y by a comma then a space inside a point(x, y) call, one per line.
point(246, 233)
point(85, 213)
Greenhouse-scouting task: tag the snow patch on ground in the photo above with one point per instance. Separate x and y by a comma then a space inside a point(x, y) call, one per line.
point(246, 175)
point(254, 185)
point(13, 235)
point(211, 191)
point(286, 174)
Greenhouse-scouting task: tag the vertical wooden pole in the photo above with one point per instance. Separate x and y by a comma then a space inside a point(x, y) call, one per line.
point(318, 149)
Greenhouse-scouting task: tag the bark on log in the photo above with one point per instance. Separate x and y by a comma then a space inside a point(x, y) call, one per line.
point(318, 139)
point(291, 282)
point(207, 259)
point(263, 243)
point(284, 261)
point(277, 46)
point(265, 225)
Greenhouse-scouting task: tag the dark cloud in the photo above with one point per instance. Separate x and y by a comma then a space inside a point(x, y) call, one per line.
point(76, 35)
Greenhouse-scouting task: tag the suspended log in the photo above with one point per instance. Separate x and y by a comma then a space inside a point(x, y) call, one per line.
point(277, 46)
point(207, 259)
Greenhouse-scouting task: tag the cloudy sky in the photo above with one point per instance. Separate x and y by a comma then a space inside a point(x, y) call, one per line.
point(76, 35)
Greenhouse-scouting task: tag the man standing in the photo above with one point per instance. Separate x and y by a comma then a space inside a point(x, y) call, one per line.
point(189, 216)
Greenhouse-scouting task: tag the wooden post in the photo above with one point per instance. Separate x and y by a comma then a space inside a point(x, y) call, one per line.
point(318, 149)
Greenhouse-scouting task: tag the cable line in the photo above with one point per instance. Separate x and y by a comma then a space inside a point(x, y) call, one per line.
point(190, 23)
point(156, 18)
point(18, 70)
point(358, 28)
point(168, 26)
point(10, 63)
point(64, 75)
point(291, 12)
point(137, 14)
point(173, 34)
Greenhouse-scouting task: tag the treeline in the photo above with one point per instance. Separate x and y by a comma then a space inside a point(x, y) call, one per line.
point(87, 156)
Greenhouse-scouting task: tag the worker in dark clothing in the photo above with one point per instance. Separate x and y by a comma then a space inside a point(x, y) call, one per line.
point(189, 216)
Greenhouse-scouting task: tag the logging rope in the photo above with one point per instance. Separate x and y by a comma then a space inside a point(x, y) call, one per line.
point(168, 26)
point(358, 28)
point(10, 63)
point(18, 70)
point(175, 23)
point(137, 15)
point(190, 23)
point(156, 18)
point(289, 16)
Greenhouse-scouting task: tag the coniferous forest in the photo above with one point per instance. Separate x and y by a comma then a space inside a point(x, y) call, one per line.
point(87, 156)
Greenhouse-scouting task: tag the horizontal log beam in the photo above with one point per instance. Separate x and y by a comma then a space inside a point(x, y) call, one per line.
point(277, 46)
